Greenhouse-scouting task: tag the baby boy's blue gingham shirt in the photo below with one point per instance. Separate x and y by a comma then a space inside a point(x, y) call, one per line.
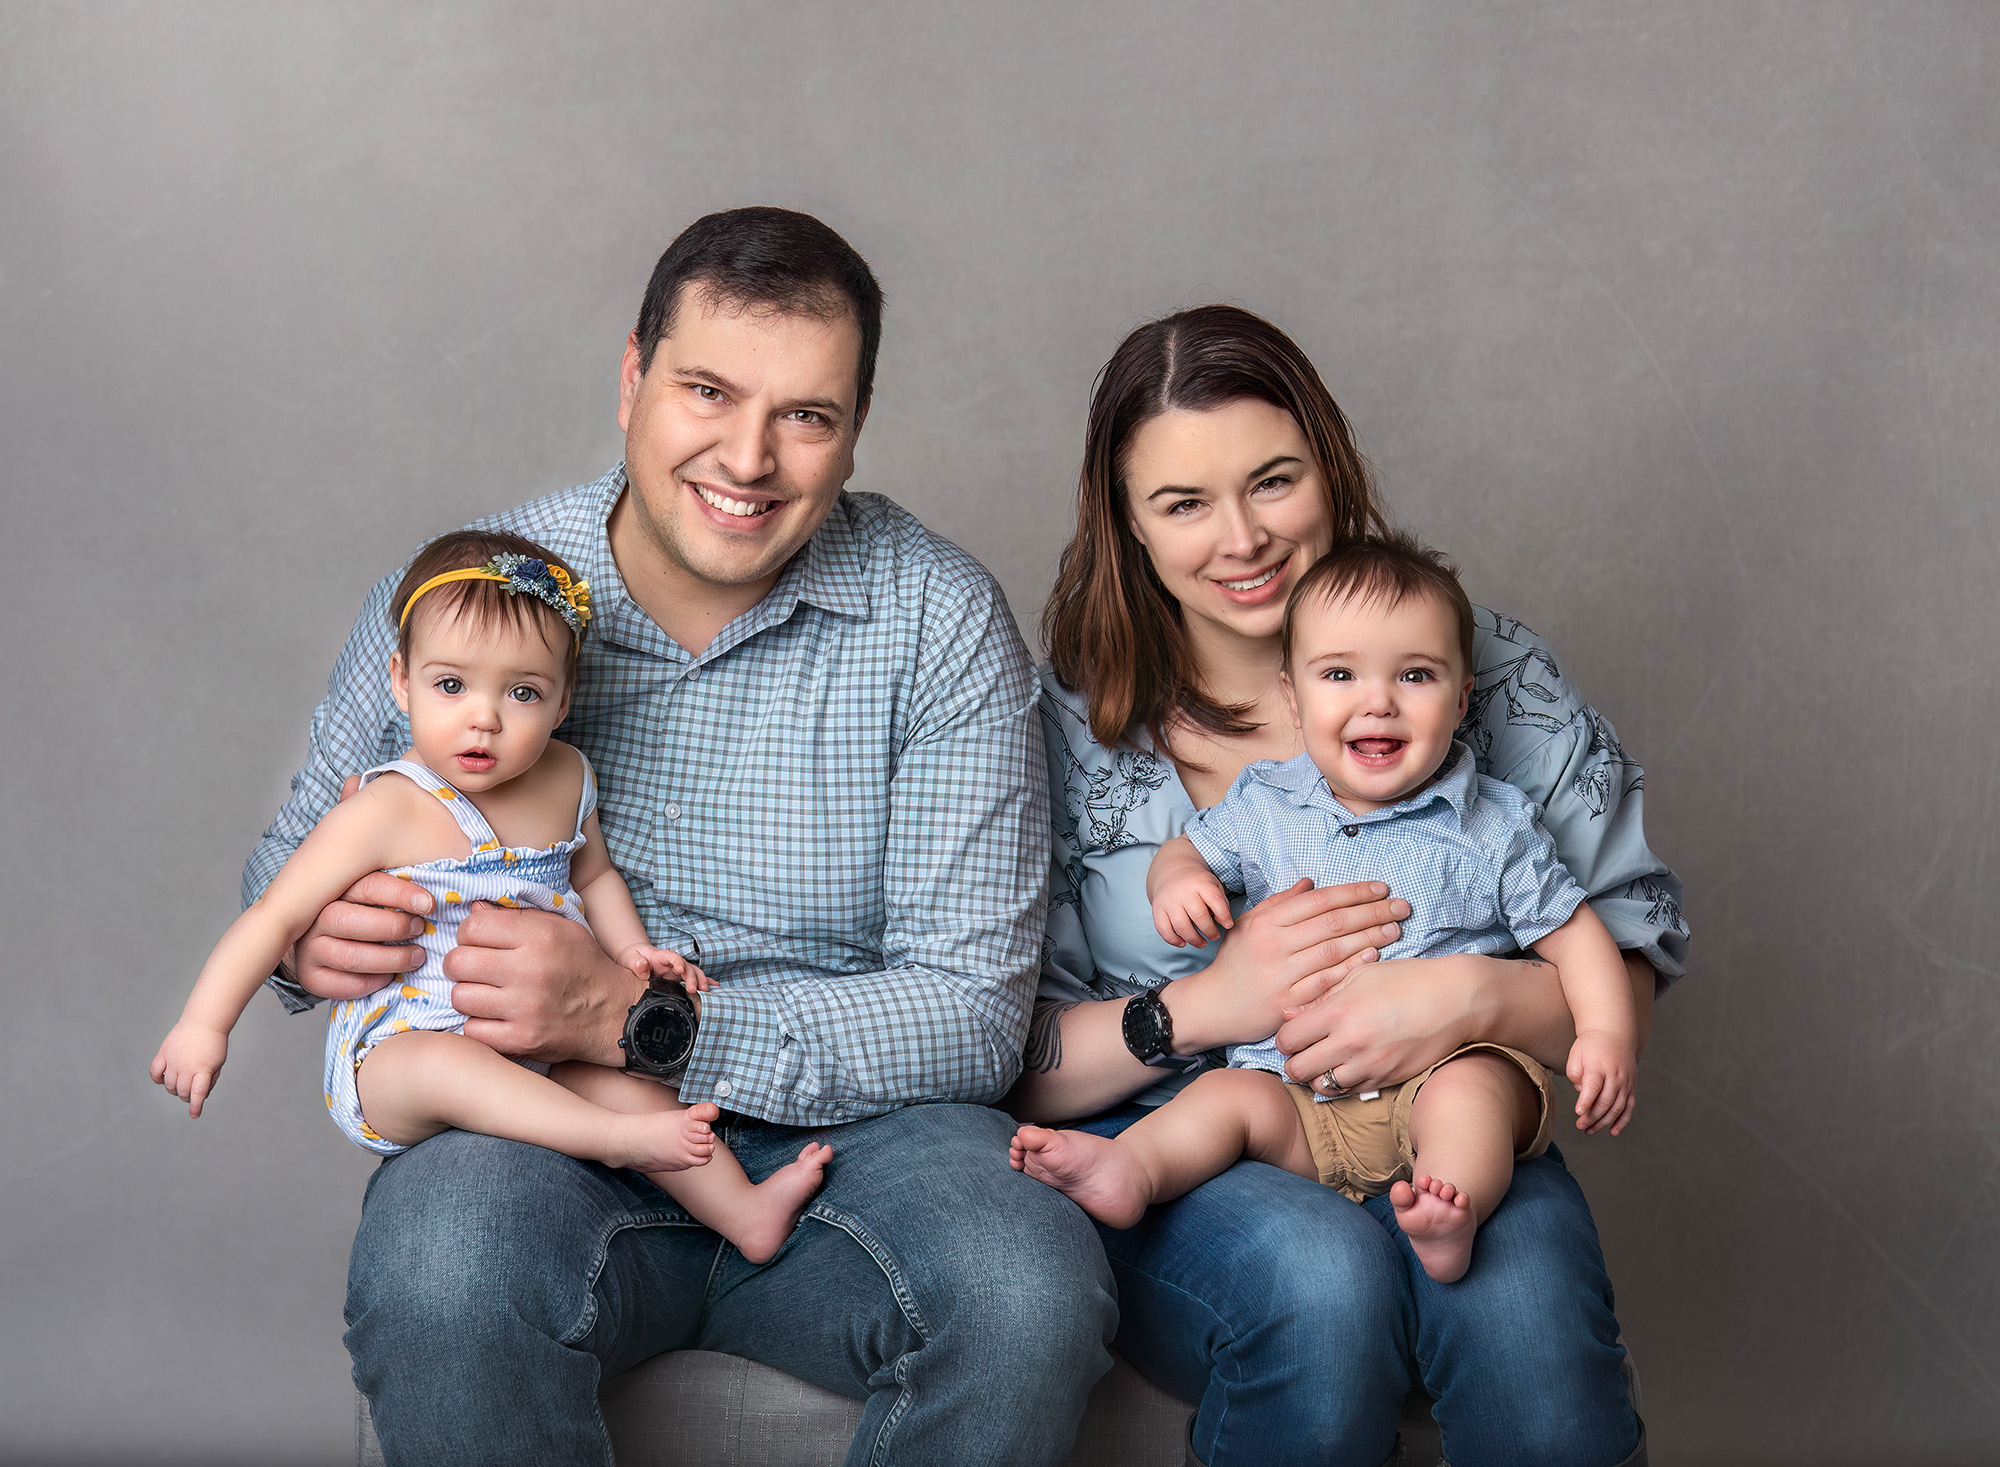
point(843, 799)
point(1479, 874)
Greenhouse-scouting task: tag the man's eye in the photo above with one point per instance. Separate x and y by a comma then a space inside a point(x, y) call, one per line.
point(707, 393)
point(525, 694)
point(450, 686)
point(810, 418)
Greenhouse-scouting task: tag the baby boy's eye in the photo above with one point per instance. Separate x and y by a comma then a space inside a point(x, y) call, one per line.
point(524, 694)
point(450, 686)
point(1417, 674)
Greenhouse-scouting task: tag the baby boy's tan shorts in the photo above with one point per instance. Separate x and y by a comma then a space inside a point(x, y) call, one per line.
point(1362, 1146)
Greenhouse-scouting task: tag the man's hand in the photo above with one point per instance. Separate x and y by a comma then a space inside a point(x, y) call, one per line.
point(355, 946)
point(537, 985)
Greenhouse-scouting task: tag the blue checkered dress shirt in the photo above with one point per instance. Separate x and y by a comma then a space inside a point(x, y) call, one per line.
point(843, 799)
point(1479, 874)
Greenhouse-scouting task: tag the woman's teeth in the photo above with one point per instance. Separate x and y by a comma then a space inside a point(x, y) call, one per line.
point(1253, 583)
point(734, 506)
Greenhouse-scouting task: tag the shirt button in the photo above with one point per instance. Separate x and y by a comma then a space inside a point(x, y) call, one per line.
point(722, 1089)
point(1344, 830)
point(673, 812)
point(693, 672)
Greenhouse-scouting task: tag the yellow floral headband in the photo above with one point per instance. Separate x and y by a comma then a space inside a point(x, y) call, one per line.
point(522, 575)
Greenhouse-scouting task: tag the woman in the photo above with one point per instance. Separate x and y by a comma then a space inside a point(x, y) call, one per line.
point(1217, 469)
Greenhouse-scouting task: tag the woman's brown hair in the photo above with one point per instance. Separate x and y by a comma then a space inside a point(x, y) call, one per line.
point(1113, 632)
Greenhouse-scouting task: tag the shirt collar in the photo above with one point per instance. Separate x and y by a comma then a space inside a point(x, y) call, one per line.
point(828, 573)
point(1457, 784)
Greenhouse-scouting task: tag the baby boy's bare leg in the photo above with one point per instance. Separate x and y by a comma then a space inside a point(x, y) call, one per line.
point(756, 1217)
point(1466, 1124)
point(1222, 1117)
point(416, 1084)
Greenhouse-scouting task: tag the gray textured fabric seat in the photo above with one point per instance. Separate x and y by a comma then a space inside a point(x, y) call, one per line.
point(695, 1408)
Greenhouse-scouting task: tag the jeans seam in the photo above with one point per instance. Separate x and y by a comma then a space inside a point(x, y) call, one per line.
point(899, 1290)
point(587, 1315)
point(1168, 1286)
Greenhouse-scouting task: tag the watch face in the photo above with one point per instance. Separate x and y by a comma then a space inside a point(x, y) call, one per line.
point(663, 1033)
point(1148, 1031)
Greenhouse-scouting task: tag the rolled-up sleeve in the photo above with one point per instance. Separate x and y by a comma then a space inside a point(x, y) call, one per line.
point(1531, 728)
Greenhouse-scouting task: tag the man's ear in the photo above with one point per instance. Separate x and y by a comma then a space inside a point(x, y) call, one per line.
point(399, 681)
point(1292, 697)
point(629, 378)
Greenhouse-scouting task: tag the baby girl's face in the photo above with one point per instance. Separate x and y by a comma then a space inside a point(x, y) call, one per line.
point(482, 700)
point(1377, 691)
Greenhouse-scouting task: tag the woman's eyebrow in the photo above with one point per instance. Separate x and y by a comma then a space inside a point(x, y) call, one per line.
point(1264, 468)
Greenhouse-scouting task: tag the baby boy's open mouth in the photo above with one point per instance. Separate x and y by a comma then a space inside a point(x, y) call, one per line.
point(474, 759)
point(1376, 751)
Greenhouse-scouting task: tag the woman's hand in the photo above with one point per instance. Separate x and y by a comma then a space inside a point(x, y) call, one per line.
point(1282, 955)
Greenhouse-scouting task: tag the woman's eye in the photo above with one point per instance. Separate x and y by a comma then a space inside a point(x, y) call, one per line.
point(524, 694)
point(1184, 506)
point(1276, 481)
point(451, 687)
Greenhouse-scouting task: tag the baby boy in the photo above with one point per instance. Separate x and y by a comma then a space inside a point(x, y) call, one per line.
point(1378, 654)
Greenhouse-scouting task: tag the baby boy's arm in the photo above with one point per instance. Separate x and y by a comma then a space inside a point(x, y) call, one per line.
point(1603, 1063)
point(352, 839)
point(1189, 903)
point(607, 903)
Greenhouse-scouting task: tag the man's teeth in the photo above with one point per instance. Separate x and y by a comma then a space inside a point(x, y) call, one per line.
point(1253, 583)
point(734, 506)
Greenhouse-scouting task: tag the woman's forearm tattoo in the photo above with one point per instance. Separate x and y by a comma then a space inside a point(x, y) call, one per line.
point(1045, 1037)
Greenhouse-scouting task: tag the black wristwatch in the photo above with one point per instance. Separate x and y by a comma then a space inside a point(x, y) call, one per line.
point(1149, 1028)
point(660, 1030)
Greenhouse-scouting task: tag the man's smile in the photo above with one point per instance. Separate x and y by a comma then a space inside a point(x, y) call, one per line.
point(729, 505)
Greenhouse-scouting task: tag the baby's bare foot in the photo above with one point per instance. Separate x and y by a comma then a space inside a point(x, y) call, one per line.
point(1437, 1219)
point(1097, 1174)
point(770, 1210)
point(668, 1140)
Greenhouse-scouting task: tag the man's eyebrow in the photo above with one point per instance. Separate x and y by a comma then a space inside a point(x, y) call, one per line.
point(831, 406)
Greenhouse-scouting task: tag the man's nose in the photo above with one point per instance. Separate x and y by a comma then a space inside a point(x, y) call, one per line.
point(745, 450)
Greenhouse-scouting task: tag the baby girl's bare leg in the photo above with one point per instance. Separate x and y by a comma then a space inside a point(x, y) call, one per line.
point(756, 1217)
point(1222, 1117)
point(1465, 1126)
point(416, 1084)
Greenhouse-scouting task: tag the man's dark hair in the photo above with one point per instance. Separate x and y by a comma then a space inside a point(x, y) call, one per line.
point(762, 258)
point(1388, 568)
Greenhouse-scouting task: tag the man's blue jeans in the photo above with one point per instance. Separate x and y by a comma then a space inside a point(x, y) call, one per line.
point(494, 1284)
point(1299, 1321)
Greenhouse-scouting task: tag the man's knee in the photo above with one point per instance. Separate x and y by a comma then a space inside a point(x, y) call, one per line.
point(467, 1235)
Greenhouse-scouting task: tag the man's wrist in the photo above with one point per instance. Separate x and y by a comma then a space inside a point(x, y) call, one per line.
point(620, 994)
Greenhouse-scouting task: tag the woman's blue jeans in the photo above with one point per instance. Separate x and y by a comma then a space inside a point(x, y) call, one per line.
point(493, 1285)
point(1299, 1321)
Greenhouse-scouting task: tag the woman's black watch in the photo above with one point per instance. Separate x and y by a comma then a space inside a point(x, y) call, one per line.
point(1149, 1028)
point(660, 1030)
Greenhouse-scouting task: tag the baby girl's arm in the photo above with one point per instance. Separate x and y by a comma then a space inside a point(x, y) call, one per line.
point(607, 903)
point(352, 839)
point(1603, 1063)
point(1189, 904)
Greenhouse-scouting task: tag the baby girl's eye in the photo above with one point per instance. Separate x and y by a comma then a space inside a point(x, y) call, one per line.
point(450, 686)
point(1416, 675)
point(524, 694)
point(1338, 675)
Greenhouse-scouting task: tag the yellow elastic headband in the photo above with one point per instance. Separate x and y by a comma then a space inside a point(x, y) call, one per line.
point(522, 575)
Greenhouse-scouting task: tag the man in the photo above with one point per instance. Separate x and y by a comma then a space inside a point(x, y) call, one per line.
point(814, 733)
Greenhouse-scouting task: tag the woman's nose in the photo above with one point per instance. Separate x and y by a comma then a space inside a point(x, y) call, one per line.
point(1238, 533)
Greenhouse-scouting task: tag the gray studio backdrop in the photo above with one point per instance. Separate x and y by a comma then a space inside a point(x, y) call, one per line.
point(1675, 323)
